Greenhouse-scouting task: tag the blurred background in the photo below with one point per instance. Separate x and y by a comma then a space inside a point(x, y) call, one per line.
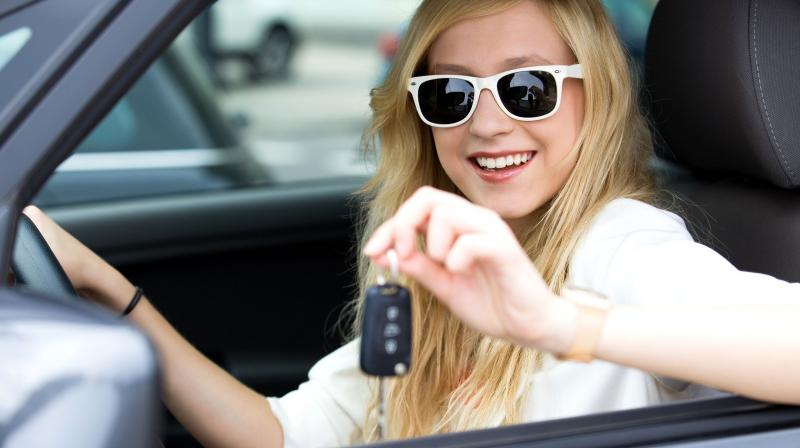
point(255, 92)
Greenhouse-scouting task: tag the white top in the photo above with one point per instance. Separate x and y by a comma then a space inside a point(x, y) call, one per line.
point(633, 253)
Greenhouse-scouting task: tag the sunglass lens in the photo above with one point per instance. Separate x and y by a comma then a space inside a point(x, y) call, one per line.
point(445, 100)
point(528, 94)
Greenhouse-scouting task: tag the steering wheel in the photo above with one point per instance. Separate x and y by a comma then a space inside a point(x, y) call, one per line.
point(34, 264)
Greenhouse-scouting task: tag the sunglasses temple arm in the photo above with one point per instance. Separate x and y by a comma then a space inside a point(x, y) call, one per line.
point(575, 71)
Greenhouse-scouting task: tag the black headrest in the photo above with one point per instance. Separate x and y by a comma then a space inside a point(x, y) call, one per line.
point(723, 79)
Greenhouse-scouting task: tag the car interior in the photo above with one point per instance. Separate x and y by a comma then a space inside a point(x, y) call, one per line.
point(258, 278)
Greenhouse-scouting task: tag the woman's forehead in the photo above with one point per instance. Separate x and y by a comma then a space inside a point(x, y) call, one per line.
point(519, 36)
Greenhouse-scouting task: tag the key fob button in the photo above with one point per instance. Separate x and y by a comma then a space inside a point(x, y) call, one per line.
point(392, 312)
point(391, 346)
point(391, 330)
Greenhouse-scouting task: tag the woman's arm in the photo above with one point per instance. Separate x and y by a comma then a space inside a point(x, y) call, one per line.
point(750, 350)
point(474, 265)
point(213, 406)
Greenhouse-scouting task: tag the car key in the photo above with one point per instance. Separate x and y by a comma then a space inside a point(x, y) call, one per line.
point(386, 333)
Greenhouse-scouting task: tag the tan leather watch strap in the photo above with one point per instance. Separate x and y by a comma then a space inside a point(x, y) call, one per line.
point(592, 312)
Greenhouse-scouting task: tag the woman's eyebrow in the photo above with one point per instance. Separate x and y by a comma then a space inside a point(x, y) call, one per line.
point(528, 60)
point(507, 64)
point(451, 69)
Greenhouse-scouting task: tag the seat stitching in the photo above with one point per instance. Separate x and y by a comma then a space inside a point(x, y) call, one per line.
point(763, 99)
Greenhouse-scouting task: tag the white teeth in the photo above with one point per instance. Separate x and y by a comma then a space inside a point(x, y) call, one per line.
point(502, 162)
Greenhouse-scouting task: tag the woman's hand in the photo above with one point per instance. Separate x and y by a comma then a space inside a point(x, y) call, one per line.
point(474, 264)
point(89, 274)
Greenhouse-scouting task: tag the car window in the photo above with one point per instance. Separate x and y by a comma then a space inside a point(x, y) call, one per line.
point(154, 115)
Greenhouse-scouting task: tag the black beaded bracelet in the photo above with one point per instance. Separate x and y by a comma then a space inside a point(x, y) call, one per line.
point(137, 295)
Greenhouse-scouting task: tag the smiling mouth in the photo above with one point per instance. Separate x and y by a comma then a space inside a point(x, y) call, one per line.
point(503, 162)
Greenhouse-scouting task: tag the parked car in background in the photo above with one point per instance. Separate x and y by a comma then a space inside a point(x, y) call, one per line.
point(266, 34)
point(262, 33)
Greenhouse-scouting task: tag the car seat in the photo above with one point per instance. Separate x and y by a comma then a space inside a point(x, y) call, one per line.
point(723, 86)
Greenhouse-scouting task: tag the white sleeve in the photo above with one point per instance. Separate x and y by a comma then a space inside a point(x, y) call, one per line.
point(637, 254)
point(329, 409)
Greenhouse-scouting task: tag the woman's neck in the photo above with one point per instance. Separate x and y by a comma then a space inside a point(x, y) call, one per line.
point(524, 225)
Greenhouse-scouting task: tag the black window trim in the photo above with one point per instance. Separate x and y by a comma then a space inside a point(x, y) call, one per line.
point(705, 419)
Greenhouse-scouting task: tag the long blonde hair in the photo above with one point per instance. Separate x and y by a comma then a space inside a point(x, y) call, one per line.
point(455, 383)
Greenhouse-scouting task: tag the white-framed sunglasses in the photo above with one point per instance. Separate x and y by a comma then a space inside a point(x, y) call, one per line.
point(527, 94)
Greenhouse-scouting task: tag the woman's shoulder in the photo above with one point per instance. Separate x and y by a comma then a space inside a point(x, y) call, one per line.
point(624, 232)
point(623, 216)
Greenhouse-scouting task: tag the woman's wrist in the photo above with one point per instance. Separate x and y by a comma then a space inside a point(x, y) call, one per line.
point(591, 313)
point(552, 327)
point(571, 325)
point(108, 286)
point(559, 326)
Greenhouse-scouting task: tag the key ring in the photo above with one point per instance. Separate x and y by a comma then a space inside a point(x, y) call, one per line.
point(394, 268)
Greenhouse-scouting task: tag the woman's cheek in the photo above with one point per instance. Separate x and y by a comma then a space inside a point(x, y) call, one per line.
point(448, 144)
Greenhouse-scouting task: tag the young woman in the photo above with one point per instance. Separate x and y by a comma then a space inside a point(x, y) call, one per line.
point(512, 181)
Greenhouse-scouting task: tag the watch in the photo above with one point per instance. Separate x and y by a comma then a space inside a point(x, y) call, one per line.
point(592, 310)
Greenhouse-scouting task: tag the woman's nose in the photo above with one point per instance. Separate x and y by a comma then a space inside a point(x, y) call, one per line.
point(489, 120)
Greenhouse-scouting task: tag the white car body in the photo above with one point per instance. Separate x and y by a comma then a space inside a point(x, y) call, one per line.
point(240, 26)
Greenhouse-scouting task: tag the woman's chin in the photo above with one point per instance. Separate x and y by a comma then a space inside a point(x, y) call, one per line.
point(511, 213)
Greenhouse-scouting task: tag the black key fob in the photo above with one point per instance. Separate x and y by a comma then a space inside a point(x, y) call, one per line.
point(386, 331)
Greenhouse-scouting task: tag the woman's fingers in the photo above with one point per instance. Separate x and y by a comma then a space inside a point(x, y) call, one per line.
point(71, 254)
point(467, 250)
point(441, 216)
point(414, 215)
point(440, 235)
point(429, 273)
point(40, 220)
point(47, 228)
point(417, 265)
point(382, 240)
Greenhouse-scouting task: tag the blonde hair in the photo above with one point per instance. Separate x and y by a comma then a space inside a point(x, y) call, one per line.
point(455, 383)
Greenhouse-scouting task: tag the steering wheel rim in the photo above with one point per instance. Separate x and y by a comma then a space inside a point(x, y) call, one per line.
point(34, 264)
